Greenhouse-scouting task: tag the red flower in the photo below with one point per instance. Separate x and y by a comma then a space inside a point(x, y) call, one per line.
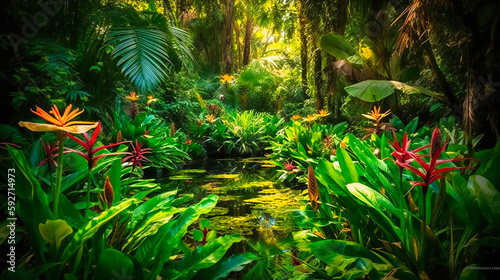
point(295, 259)
point(188, 142)
point(137, 155)
point(204, 240)
point(289, 166)
point(402, 154)
point(430, 171)
point(88, 144)
point(50, 154)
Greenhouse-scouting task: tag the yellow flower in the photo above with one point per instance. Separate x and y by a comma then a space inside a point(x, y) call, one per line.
point(151, 100)
point(60, 123)
point(375, 114)
point(226, 78)
point(296, 117)
point(310, 118)
point(211, 118)
point(133, 96)
point(322, 113)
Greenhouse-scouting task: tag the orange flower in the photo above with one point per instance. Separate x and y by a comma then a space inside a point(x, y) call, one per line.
point(211, 118)
point(322, 113)
point(151, 100)
point(296, 117)
point(311, 118)
point(226, 78)
point(375, 114)
point(132, 97)
point(60, 123)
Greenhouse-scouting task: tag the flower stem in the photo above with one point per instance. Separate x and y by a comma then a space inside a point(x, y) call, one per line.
point(61, 137)
point(89, 185)
point(423, 230)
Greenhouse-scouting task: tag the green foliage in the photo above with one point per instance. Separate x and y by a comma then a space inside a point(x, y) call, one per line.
point(143, 55)
point(335, 45)
point(362, 199)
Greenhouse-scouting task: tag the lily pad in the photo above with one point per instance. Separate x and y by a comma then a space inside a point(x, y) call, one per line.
point(224, 176)
point(192, 171)
point(180, 177)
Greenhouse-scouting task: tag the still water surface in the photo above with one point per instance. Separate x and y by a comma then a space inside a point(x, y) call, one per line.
point(251, 201)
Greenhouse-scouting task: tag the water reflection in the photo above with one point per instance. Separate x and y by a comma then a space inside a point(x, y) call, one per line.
point(251, 202)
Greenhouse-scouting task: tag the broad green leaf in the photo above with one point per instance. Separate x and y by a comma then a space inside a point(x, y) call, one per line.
point(347, 166)
point(376, 90)
point(115, 179)
point(373, 198)
point(335, 252)
point(204, 223)
point(369, 51)
point(227, 265)
point(113, 264)
point(166, 243)
point(336, 45)
point(489, 199)
point(371, 90)
point(207, 255)
point(71, 214)
point(93, 225)
point(197, 235)
point(54, 231)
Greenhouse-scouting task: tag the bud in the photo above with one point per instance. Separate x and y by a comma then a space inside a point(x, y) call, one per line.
point(119, 137)
point(436, 141)
point(108, 192)
point(172, 129)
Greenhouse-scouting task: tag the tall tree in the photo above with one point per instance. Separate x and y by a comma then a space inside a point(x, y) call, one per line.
point(303, 45)
point(227, 38)
point(248, 41)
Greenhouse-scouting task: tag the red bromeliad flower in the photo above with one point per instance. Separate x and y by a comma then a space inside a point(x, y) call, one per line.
point(88, 144)
point(204, 240)
point(289, 166)
point(137, 155)
point(50, 154)
point(430, 171)
point(402, 153)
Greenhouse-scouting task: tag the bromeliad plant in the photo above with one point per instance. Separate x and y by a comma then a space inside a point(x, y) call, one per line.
point(377, 117)
point(90, 155)
point(429, 174)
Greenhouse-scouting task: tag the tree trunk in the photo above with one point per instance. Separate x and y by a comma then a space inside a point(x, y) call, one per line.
point(227, 39)
point(445, 86)
point(248, 41)
point(318, 79)
point(239, 47)
point(331, 96)
point(303, 48)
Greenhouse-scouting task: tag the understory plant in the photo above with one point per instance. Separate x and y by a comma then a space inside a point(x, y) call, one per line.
point(131, 227)
point(367, 220)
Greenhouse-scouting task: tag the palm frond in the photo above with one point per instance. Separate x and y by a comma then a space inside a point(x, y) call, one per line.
point(142, 55)
point(182, 43)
